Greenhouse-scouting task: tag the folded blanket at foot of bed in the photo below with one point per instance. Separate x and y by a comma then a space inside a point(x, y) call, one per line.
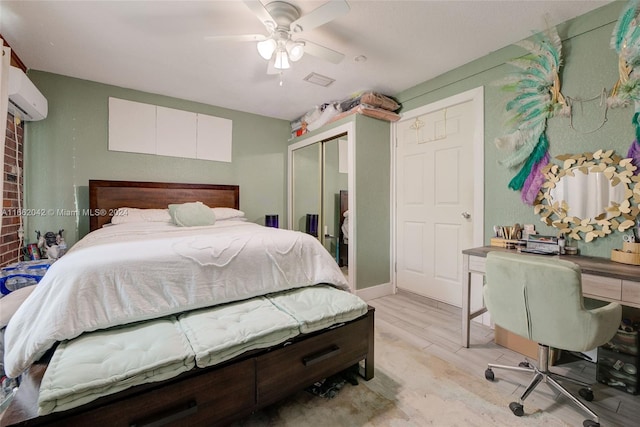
point(104, 362)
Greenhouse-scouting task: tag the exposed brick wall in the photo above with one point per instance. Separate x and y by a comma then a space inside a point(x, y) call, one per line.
point(9, 242)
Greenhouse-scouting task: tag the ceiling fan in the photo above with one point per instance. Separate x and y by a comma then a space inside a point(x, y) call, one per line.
point(282, 21)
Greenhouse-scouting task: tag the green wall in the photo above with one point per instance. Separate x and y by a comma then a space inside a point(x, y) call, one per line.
point(590, 65)
point(69, 147)
point(373, 208)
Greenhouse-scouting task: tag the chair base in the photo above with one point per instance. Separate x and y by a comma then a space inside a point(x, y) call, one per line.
point(543, 374)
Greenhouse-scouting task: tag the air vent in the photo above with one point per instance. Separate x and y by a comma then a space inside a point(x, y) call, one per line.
point(319, 79)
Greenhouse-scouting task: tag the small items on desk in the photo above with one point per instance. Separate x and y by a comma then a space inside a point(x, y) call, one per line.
point(507, 236)
point(543, 245)
point(504, 243)
point(571, 250)
point(629, 254)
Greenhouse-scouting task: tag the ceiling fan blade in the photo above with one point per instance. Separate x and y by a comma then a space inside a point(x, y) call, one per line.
point(323, 14)
point(238, 38)
point(262, 13)
point(322, 52)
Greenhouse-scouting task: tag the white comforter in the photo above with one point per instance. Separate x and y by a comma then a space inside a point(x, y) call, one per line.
point(131, 272)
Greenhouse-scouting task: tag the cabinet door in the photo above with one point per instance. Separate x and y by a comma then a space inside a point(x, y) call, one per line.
point(176, 133)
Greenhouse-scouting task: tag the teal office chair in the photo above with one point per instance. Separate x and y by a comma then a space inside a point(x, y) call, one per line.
point(540, 298)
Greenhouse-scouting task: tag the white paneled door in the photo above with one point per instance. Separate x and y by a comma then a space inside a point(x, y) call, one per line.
point(435, 199)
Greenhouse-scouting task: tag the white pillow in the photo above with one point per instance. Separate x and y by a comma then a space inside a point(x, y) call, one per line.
point(126, 215)
point(192, 214)
point(227, 213)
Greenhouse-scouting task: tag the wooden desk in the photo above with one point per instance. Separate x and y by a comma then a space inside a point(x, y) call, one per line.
point(602, 279)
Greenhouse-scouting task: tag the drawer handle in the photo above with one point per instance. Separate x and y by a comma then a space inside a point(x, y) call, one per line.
point(321, 355)
point(191, 408)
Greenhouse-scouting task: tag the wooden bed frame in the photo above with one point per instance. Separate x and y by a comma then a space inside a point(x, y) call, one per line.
point(107, 196)
point(217, 395)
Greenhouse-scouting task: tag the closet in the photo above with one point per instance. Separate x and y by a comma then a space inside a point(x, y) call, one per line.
point(320, 175)
point(339, 191)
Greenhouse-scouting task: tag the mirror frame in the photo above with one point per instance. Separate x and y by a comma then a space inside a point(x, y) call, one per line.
point(616, 216)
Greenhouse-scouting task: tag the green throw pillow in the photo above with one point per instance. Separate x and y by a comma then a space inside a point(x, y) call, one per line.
point(191, 214)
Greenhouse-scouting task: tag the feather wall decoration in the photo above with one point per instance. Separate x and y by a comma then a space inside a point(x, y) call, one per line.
point(625, 40)
point(535, 180)
point(535, 97)
point(634, 154)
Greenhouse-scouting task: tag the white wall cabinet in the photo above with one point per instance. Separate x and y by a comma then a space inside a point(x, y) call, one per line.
point(213, 138)
point(136, 127)
point(175, 133)
point(132, 126)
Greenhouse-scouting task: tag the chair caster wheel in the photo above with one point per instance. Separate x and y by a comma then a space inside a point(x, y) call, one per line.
point(590, 423)
point(586, 394)
point(488, 374)
point(524, 365)
point(516, 408)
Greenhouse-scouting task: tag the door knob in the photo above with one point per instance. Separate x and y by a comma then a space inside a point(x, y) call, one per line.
point(466, 215)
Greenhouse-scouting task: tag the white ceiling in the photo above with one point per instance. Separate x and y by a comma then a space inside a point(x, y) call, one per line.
point(160, 46)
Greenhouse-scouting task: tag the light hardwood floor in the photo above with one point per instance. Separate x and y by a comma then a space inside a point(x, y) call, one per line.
point(436, 328)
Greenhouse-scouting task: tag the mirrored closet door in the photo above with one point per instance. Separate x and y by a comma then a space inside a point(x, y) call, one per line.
point(319, 193)
point(334, 183)
point(307, 178)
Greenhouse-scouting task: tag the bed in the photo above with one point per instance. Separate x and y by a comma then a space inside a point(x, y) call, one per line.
point(217, 390)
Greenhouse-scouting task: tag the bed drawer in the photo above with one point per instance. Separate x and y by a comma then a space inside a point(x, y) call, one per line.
point(208, 398)
point(300, 364)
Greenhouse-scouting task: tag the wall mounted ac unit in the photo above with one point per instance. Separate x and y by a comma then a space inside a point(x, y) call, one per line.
point(25, 100)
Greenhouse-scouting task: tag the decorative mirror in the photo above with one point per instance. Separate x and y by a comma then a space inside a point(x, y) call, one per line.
point(589, 195)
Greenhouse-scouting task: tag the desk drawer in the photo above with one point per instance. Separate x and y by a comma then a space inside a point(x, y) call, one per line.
point(601, 286)
point(631, 292)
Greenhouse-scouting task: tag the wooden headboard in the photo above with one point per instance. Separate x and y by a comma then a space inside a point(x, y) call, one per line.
point(107, 196)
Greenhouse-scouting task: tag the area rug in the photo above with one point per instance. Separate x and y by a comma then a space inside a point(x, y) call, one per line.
point(411, 388)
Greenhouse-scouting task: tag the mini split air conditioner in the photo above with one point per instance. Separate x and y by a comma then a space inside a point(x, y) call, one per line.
point(25, 100)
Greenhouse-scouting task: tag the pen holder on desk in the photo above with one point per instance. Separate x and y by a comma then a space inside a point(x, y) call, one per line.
point(630, 254)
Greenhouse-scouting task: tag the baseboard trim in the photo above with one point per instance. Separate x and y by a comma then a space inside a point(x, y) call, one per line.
point(432, 302)
point(377, 291)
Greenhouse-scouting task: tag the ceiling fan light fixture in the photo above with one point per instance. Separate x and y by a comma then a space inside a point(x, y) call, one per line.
point(282, 60)
point(266, 48)
point(295, 50)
